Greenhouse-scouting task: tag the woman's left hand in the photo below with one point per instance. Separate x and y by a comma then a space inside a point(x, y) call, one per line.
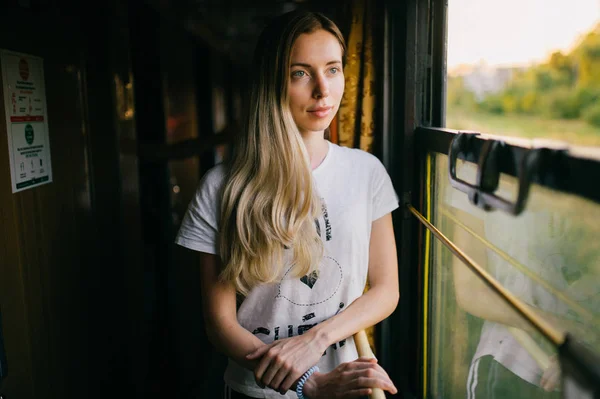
point(550, 380)
point(284, 361)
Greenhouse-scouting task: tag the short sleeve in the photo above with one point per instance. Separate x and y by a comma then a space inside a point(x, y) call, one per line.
point(199, 227)
point(385, 199)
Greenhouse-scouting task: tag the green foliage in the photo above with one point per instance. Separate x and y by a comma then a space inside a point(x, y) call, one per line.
point(569, 103)
point(566, 86)
point(587, 56)
point(562, 104)
point(529, 103)
point(592, 115)
point(587, 96)
point(458, 94)
point(560, 62)
point(492, 104)
point(510, 103)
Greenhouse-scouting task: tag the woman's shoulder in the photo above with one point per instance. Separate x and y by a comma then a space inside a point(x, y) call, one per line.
point(216, 174)
point(212, 181)
point(357, 156)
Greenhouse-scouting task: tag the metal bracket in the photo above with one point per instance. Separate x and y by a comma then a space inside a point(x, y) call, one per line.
point(406, 200)
point(481, 194)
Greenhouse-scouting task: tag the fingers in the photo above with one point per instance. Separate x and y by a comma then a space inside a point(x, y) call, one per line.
point(357, 365)
point(288, 382)
point(352, 380)
point(258, 352)
point(369, 375)
point(274, 369)
point(278, 370)
point(550, 379)
point(357, 393)
point(284, 376)
point(365, 360)
point(260, 370)
point(375, 382)
point(362, 365)
point(280, 364)
point(270, 373)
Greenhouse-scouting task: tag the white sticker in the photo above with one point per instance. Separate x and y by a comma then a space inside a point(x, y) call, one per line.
point(26, 119)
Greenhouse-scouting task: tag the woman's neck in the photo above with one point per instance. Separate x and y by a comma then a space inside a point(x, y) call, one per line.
point(316, 146)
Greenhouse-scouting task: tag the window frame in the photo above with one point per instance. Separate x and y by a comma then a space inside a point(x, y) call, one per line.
point(414, 102)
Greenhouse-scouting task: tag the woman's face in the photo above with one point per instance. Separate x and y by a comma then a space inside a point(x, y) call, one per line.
point(316, 80)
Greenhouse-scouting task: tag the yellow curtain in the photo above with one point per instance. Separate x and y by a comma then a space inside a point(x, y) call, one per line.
point(356, 124)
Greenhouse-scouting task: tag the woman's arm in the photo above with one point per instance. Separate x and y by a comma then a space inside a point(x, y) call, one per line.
point(381, 298)
point(284, 361)
point(474, 296)
point(220, 317)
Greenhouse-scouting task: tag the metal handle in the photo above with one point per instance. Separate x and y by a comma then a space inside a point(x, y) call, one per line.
point(482, 194)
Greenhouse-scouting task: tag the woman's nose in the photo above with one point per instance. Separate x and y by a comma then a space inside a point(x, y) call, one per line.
point(321, 88)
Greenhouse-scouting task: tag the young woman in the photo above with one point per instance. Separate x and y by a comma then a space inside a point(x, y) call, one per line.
point(294, 225)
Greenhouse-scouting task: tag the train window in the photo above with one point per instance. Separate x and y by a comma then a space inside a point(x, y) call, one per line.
point(547, 256)
point(527, 69)
point(511, 212)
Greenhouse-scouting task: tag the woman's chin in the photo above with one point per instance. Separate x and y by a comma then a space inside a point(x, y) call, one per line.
point(315, 127)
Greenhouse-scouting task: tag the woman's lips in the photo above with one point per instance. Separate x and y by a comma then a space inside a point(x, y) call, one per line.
point(320, 112)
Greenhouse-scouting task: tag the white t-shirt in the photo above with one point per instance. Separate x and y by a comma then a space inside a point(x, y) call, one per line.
point(356, 190)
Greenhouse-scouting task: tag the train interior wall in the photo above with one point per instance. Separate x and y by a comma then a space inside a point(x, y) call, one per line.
point(95, 300)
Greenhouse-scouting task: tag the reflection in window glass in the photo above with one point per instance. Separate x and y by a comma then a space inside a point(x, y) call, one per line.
point(525, 68)
point(547, 257)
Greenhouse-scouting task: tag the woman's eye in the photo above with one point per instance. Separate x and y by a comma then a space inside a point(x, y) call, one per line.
point(334, 70)
point(298, 74)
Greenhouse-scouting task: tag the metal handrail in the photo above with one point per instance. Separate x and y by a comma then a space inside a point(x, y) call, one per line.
point(523, 269)
point(546, 329)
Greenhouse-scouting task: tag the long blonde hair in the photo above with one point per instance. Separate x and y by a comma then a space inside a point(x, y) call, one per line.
point(269, 201)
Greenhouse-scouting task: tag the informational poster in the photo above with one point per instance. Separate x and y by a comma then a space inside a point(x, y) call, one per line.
point(26, 119)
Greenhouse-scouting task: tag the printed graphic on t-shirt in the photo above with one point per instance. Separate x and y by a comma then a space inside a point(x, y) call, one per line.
point(323, 224)
point(314, 289)
point(320, 285)
point(292, 330)
point(311, 290)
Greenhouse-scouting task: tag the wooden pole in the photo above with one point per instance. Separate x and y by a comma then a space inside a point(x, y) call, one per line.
point(364, 350)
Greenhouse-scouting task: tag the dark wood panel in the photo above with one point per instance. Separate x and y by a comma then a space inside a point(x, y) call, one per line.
point(19, 381)
point(51, 229)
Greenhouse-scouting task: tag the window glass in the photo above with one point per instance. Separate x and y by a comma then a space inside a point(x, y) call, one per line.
point(548, 257)
point(525, 68)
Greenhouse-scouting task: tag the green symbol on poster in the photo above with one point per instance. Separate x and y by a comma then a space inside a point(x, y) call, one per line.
point(29, 134)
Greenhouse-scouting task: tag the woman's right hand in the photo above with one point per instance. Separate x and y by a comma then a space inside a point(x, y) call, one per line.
point(349, 380)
